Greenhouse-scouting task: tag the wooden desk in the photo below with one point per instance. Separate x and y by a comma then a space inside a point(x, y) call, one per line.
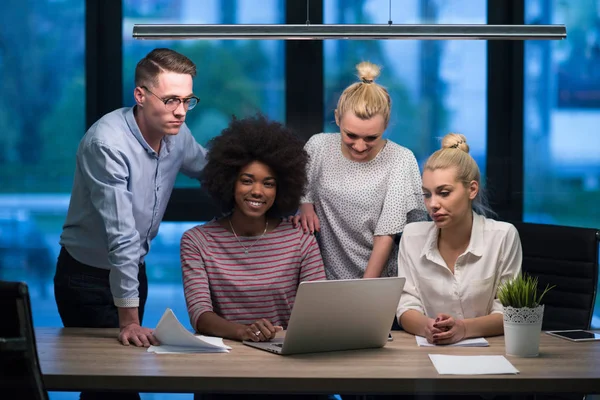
point(74, 359)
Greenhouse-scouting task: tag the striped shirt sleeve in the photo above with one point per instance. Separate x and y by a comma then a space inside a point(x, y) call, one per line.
point(195, 278)
point(311, 264)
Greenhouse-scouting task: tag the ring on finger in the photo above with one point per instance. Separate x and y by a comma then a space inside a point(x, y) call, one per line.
point(257, 333)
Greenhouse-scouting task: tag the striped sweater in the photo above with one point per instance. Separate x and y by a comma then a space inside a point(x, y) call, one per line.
point(218, 276)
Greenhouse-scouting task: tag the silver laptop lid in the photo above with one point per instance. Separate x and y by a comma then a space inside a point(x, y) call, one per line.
point(342, 315)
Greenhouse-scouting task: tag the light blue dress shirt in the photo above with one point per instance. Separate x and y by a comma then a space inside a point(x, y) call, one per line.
point(120, 192)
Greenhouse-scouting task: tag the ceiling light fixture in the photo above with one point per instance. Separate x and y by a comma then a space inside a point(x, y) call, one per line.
point(349, 31)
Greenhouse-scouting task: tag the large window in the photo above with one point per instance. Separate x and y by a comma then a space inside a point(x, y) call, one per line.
point(562, 116)
point(42, 118)
point(436, 86)
point(235, 77)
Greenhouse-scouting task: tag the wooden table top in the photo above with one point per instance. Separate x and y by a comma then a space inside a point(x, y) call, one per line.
point(75, 359)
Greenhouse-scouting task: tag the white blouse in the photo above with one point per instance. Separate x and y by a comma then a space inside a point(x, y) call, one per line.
point(493, 256)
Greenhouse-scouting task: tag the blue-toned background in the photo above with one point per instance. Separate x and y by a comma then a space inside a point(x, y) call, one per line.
point(436, 86)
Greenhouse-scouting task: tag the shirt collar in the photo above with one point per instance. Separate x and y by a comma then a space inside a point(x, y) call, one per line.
point(476, 243)
point(431, 242)
point(135, 130)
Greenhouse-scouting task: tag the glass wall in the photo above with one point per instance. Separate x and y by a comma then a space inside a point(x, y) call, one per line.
point(562, 116)
point(436, 86)
point(42, 118)
point(235, 77)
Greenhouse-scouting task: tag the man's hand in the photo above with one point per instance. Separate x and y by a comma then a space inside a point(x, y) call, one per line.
point(131, 331)
point(139, 336)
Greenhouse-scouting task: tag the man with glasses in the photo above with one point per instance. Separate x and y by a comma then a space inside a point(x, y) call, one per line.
point(126, 167)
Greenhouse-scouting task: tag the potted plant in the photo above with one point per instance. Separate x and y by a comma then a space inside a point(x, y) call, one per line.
point(523, 314)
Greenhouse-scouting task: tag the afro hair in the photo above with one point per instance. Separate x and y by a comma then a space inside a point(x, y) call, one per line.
point(256, 139)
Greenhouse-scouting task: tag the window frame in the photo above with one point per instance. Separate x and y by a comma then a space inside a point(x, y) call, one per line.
point(305, 103)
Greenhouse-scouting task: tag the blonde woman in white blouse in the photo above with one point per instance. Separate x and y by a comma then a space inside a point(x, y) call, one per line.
point(453, 265)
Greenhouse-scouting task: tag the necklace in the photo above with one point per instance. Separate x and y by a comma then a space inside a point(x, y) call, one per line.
point(247, 249)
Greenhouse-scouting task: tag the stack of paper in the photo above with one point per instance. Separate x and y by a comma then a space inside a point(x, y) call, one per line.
point(174, 338)
point(475, 342)
point(471, 365)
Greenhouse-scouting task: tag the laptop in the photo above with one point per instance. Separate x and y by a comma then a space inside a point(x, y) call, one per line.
point(339, 315)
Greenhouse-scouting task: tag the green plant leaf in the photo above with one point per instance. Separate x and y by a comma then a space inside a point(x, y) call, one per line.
point(522, 291)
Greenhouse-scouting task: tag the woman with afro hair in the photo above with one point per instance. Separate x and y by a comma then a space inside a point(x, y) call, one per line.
point(241, 271)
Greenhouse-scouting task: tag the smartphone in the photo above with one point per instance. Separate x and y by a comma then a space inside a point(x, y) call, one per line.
point(576, 335)
point(390, 337)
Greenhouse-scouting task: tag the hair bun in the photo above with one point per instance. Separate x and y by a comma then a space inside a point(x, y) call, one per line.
point(455, 141)
point(368, 72)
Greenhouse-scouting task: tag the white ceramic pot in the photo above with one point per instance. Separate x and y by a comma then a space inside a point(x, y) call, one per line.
point(522, 329)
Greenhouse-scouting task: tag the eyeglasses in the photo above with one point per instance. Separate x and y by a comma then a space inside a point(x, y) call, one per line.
point(172, 103)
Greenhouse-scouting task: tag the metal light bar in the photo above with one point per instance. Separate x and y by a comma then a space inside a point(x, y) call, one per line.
point(356, 31)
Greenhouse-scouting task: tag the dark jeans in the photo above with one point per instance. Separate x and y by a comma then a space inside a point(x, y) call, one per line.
point(84, 300)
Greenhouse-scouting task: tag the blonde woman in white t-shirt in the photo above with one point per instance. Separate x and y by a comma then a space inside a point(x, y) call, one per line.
point(453, 265)
point(362, 188)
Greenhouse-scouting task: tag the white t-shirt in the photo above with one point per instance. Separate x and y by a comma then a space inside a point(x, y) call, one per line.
point(357, 200)
point(493, 256)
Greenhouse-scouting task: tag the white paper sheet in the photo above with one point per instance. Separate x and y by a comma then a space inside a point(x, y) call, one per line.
point(174, 338)
point(472, 365)
point(166, 349)
point(475, 342)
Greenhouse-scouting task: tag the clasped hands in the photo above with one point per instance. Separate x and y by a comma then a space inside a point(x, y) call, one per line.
point(261, 330)
point(445, 330)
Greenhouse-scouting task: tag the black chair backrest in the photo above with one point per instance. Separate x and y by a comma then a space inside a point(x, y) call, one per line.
point(20, 372)
point(566, 257)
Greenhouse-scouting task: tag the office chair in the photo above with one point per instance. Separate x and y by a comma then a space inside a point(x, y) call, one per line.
point(566, 257)
point(20, 372)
